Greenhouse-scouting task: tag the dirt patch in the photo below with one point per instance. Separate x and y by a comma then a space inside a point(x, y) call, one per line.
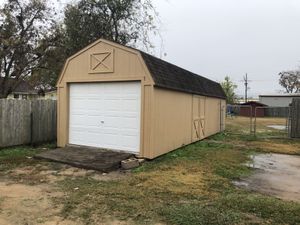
point(24, 204)
point(28, 194)
point(276, 174)
point(52, 173)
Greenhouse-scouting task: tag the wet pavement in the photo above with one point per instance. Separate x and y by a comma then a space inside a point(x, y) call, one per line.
point(276, 174)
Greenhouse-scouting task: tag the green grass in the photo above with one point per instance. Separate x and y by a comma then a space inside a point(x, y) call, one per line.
point(18, 156)
point(1, 201)
point(235, 208)
point(192, 185)
point(201, 214)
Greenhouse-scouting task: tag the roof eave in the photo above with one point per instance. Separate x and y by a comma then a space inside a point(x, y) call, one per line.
point(190, 92)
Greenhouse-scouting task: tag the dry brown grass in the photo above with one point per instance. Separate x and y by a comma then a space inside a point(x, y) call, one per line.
point(265, 140)
point(271, 145)
point(242, 124)
point(192, 185)
point(174, 180)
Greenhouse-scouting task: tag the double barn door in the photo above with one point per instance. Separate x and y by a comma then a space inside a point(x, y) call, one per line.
point(198, 123)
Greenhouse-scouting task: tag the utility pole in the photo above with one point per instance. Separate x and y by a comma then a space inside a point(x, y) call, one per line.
point(246, 82)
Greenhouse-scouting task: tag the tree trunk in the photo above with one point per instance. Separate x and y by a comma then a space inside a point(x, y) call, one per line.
point(4, 91)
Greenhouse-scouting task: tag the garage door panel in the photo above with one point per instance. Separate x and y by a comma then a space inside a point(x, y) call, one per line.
point(77, 120)
point(128, 142)
point(85, 120)
point(106, 115)
point(93, 137)
point(111, 130)
point(93, 121)
point(112, 123)
point(112, 105)
point(128, 132)
point(94, 104)
point(130, 123)
point(121, 123)
point(79, 103)
point(130, 105)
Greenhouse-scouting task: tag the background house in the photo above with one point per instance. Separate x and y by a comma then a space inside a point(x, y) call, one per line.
point(280, 100)
point(252, 107)
point(22, 91)
point(50, 95)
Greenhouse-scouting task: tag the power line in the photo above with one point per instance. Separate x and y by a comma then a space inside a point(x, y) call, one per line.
point(246, 83)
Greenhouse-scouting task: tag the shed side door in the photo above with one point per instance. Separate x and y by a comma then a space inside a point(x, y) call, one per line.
point(196, 119)
point(202, 117)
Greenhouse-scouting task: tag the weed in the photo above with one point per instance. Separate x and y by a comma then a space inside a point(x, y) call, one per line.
point(191, 185)
point(19, 156)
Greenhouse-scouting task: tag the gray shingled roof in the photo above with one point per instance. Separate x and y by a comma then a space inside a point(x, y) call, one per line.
point(167, 75)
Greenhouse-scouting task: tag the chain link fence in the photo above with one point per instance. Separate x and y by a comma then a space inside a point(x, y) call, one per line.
point(259, 121)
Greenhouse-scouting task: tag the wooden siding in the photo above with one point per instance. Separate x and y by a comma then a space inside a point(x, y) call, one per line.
point(172, 124)
point(212, 116)
point(166, 115)
point(127, 66)
point(25, 122)
point(174, 116)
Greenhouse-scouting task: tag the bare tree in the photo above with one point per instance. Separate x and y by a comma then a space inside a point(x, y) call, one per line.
point(290, 80)
point(128, 22)
point(25, 34)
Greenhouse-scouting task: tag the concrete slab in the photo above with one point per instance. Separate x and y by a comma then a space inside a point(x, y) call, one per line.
point(87, 158)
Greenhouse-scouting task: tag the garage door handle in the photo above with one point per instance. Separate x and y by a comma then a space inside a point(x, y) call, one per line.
point(102, 121)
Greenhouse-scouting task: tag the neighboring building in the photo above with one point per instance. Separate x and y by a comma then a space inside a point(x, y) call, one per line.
point(278, 100)
point(23, 91)
point(50, 95)
point(250, 99)
point(115, 97)
point(254, 107)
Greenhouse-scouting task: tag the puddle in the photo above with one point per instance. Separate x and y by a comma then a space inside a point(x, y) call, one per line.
point(277, 127)
point(240, 183)
point(276, 174)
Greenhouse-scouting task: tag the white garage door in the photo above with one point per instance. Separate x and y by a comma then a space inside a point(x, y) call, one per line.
point(106, 115)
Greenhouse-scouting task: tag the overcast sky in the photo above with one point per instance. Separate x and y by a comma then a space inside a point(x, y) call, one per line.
point(215, 38)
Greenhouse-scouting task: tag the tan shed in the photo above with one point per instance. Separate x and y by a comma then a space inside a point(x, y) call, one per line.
point(115, 97)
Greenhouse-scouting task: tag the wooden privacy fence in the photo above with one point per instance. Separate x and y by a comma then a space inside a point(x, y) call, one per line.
point(27, 122)
point(295, 119)
point(277, 112)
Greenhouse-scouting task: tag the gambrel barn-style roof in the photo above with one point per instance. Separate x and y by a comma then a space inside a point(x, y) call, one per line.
point(116, 97)
point(167, 75)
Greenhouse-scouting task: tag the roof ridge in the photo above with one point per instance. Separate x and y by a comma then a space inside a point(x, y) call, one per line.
point(171, 76)
point(168, 75)
point(191, 73)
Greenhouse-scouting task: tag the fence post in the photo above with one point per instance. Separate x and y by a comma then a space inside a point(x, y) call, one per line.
point(295, 118)
point(27, 122)
point(251, 120)
point(1, 122)
point(255, 121)
point(31, 128)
